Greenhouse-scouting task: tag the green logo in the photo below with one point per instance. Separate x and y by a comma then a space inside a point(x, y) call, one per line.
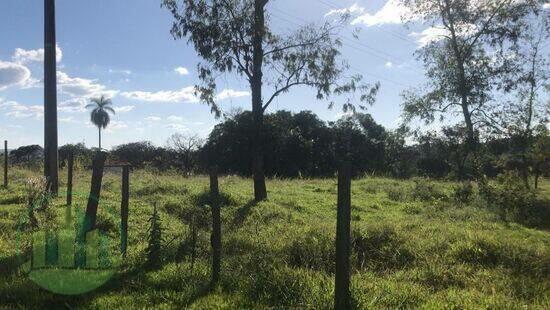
point(60, 254)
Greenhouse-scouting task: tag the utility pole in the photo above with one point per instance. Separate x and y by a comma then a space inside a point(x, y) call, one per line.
point(50, 99)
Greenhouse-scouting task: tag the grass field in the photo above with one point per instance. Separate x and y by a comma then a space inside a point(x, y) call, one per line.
point(409, 252)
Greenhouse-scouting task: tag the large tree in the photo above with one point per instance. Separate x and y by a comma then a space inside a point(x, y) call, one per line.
point(526, 109)
point(468, 61)
point(234, 36)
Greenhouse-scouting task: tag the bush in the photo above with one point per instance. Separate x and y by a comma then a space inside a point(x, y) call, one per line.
point(379, 248)
point(463, 193)
point(425, 190)
point(514, 202)
point(397, 194)
point(313, 250)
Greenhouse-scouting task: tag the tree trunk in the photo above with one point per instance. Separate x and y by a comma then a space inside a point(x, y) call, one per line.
point(343, 242)
point(50, 99)
point(260, 190)
point(99, 139)
point(216, 227)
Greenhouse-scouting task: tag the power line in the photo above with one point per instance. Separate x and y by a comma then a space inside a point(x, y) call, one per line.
point(397, 35)
point(371, 50)
point(360, 71)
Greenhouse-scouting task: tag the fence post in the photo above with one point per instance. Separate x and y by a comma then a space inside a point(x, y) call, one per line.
point(343, 244)
point(98, 164)
point(70, 166)
point(124, 209)
point(6, 163)
point(216, 226)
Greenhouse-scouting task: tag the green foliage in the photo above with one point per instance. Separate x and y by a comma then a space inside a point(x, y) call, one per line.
point(464, 192)
point(514, 202)
point(314, 249)
point(278, 254)
point(380, 249)
point(426, 190)
point(154, 242)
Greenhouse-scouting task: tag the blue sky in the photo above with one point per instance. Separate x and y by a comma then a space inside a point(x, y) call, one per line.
point(124, 49)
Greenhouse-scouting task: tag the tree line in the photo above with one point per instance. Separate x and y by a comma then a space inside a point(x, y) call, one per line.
point(302, 145)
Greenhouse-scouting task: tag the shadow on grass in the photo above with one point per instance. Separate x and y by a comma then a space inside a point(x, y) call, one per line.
point(243, 212)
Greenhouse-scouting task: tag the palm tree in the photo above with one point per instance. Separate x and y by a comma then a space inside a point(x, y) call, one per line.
point(101, 107)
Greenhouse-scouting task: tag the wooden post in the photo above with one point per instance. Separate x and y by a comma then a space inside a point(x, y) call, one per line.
point(216, 226)
point(70, 166)
point(124, 210)
point(98, 164)
point(343, 244)
point(6, 155)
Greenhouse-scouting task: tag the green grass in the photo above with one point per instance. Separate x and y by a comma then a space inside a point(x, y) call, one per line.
point(411, 250)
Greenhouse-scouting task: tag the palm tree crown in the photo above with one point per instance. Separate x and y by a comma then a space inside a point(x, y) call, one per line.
point(101, 107)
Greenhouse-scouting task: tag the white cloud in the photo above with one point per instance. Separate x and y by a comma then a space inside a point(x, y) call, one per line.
point(13, 74)
point(23, 56)
point(184, 95)
point(73, 105)
point(115, 125)
point(230, 93)
point(117, 71)
point(153, 119)
point(68, 119)
point(17, 110)
point(179, 127)
point(388, 64)
point(393, 12)
point(354, 9)
point(124, 109)
point(174, 118)
point(80, 87)
point(546, 6)
point(182, 71)
point(436, 33)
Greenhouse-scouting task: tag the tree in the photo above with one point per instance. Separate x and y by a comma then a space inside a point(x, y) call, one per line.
point(101, 107)
point(50, 98)
point(185, 146)
point(526, 110)
point(468, 61)
point(233, 36)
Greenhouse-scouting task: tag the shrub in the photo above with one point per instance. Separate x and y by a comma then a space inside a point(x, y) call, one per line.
point(463, 193)
point(314, 250)
point(514, 202)
point(397, 194)
point(379, 248)
point(425, 190)
point(155, 240)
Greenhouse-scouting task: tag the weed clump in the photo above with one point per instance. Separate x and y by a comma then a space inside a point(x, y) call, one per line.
point(397, 194)
point(154, 245)
point(314, 250)
point(425, 190)
point(379, 248)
